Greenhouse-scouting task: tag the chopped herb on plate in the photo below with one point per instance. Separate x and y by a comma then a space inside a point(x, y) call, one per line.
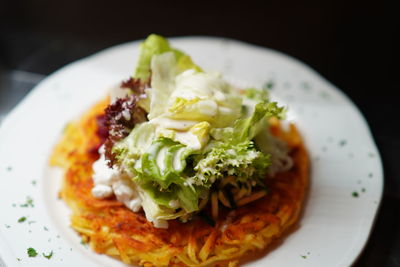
point(28, 203)
point(342, 142)
point(32, 252)
point(48, 256)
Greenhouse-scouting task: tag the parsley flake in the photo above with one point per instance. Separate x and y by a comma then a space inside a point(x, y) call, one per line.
point(355, 194)
point(84, 243)
point(22, 219)
point(48, 256)
point(306, 86)
point(28, 203)
point(325, 95)
point(32, 252)
point(269, 85)
point(342, 143)
point(304, 256)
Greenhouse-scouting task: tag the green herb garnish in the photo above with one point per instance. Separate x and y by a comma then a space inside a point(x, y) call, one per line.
point(32, 252)
point(269, 85)
point(84, 243)
point(342, 142)
point(28, 203)
point(48, 256)
point(355, 194)
point(22, 219)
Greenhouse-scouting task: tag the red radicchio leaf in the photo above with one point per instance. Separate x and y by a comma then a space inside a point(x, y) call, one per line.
point(135, 85)
point(102, 130)
point(121, 117)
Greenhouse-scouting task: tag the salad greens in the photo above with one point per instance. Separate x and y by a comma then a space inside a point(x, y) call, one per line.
point(200, 131)
point(156, 45)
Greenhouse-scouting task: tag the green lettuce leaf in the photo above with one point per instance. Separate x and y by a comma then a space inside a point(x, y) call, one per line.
point(160, 174)
point(156, 45)
point(129, 149)
point(247, 128)
point(153, 45)
point(155, 211)
point(204, 97)
point(162, 82)
point(184, 62)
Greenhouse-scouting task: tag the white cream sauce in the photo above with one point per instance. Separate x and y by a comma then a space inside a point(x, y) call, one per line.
point(110, 181)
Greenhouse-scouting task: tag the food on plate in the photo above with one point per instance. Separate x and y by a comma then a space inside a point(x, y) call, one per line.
point(179, 167)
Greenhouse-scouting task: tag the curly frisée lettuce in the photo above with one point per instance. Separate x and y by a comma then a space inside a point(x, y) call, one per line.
point(201, 136)
point(232, 152)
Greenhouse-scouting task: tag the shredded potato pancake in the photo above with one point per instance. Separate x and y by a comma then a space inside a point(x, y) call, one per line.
point(111, 228)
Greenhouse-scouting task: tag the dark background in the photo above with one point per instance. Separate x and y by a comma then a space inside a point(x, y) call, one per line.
point(351, 43)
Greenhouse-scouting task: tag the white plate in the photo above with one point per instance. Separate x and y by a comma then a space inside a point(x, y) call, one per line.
point(335, 225)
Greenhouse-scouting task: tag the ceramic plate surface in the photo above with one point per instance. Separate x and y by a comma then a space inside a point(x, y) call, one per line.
point(347, 179)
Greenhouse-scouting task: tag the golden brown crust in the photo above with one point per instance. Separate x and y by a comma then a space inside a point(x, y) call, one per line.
point(112, 229)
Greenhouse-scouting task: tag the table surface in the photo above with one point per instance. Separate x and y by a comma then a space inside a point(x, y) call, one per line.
point(352, 45)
